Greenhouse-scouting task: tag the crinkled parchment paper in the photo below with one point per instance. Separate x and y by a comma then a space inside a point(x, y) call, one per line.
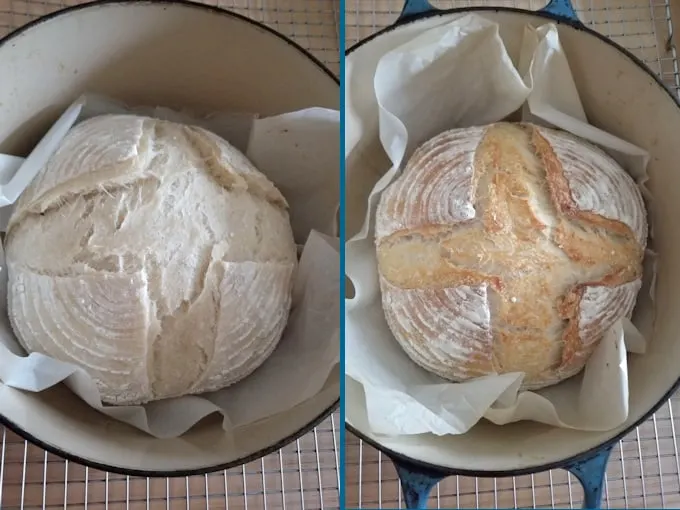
point(455, 75)
point(298, 151)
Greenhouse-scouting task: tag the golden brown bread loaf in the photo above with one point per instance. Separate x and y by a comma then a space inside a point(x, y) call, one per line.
point(508, 248)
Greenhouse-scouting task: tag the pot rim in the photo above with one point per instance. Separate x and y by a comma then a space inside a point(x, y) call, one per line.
point(208, 469)
point(589, 453)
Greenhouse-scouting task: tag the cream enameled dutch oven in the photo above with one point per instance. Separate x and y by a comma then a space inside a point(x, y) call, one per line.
point(620, 95)
point(176, 54)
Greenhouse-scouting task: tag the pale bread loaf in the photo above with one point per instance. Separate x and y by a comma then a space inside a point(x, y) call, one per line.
point(508, 248)
point(153, 255)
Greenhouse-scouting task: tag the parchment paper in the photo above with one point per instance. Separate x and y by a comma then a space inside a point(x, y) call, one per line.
point(306, 142)
point(456, 75)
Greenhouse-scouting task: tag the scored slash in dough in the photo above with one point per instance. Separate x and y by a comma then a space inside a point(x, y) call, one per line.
point(508, 248)
point(153, 255)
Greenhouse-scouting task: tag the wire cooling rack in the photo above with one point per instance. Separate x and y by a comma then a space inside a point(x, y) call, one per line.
point(302, 475)
point(644, 470)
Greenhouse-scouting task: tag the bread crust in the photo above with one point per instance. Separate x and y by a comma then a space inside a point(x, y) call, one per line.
point(508, 248)
point(154, 256)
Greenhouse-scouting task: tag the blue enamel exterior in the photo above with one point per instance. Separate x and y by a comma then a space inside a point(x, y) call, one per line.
point(590, 472)
point(414, 8)
point(416, 485)
point(561, 9)
point(557, 8)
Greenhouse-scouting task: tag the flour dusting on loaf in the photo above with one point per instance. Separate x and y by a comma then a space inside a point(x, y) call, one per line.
point(508, 248)
point(153, 255)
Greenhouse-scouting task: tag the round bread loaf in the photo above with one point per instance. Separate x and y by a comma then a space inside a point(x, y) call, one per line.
point(508, 248)
point(154, 256)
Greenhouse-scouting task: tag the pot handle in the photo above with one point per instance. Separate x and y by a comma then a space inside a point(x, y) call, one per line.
point(557, 8)
point(590, 471)
point(417, 482)
point(561, 9)
point(413, 8)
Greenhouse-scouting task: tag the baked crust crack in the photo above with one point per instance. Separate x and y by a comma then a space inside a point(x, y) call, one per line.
point(528, 243)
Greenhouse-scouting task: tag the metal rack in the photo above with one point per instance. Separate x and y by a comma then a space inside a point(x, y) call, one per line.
point(302, 475)
point(644, 469)
point(643, 472)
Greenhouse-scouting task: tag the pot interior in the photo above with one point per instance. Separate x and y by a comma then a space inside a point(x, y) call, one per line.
point(177, 55)
point(619, 96)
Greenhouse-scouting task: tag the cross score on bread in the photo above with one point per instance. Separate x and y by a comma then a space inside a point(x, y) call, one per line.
point(508, 248)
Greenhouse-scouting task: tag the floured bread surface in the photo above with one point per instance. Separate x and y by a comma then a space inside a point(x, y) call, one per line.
point(508, 248)
point(153, 255)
